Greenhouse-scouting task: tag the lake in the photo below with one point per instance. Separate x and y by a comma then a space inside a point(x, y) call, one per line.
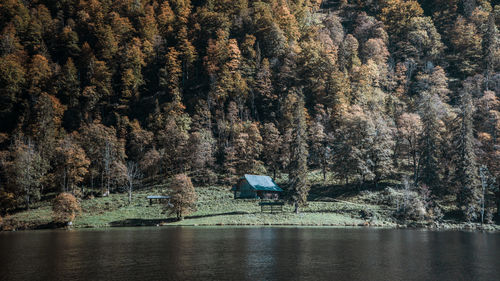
point(249, 253)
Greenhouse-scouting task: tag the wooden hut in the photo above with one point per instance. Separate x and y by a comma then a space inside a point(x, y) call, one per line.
point(252, 186)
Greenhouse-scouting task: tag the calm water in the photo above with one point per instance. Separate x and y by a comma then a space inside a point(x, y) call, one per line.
point(249, 254)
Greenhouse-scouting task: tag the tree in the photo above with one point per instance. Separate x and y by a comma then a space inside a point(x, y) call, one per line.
point(410, 128)
point(319, 150)
point(72, 164)
point(132, 78)
point(12, 79)
point(133, 174)
point(492, 48)
point(69, 84)
point(348, 54)
point(431, 110)
point(28, 169)
point(151, 162)
point(170, 75)
point(382, 149)
point(200, 149)
point(103, 149)
point(264, 90)
point(65, 208)
point(297, 168)
point(271, 147)
point(467, 177)
point(397, 15)
point(466, 45)
point(433, 81)
point(421, 42)
point(183, 197)
point(352, 142)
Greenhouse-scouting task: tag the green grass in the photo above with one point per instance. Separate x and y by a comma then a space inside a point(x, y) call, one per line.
point(215, 206)
point(329, 205)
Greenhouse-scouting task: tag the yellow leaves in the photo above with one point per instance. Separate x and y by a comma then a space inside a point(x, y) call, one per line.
point(484, 137)
point(183, 196)
point(39, 73)
point(286, 19)
point(65, 208)
point(149, 27)
point(234, 55)
point(397, 14)
point(12, 73)
point(166, 18)
point(182, 10)
point(72, 161)
point(121, 26)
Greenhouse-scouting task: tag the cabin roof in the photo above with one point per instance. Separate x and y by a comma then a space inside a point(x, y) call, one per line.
point(261, 183)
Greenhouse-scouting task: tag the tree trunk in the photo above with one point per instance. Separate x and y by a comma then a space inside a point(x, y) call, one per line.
point(296, 207)
point(498, 205)
point(130, 194)
point(27, 200)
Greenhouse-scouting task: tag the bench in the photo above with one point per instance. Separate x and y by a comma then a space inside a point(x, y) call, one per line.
point(271, 207)
point(158, 198)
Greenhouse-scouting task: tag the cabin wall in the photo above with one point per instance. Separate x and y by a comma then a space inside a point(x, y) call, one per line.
point(245, 190)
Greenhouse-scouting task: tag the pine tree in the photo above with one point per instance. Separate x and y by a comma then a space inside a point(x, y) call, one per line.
point(467, 176)
point(492, 49)
point(430, 110)
point(271, 147)
point(297, 168)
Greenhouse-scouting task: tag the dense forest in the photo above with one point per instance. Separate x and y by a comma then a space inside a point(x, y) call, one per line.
point(94, 93)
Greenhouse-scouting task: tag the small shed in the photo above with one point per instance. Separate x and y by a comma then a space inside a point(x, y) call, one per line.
point(253, 186)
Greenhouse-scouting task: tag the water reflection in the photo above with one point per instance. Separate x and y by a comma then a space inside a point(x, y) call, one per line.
point(249, 254)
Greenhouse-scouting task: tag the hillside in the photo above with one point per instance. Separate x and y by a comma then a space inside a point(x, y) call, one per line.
point(96, 95)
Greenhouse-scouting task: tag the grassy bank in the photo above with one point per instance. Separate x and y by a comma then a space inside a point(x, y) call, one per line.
point(216, 206)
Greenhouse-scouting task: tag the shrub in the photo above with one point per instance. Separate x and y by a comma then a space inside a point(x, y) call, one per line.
point(8, 224)
point(411, 208)
point(7, 201)
point(182, 197)
point(65, 208)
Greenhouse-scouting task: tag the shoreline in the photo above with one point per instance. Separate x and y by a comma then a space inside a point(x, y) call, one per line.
point(469, 227)
point(216, 207)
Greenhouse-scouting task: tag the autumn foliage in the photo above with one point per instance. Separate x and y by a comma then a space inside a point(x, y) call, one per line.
point(182, 196)
point(207, 89)
point(65, 208)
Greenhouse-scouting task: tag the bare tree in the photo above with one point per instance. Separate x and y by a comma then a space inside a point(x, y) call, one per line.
point(29, 169)
point(108, 160)
point(133, 174)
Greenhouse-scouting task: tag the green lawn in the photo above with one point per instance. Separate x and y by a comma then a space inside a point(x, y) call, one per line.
point(216, 206)
point(328, 206)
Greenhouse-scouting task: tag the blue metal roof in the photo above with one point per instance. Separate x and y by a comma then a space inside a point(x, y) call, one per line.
point(262, 183)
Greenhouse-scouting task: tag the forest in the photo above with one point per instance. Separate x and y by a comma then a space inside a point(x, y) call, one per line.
point(97, 93)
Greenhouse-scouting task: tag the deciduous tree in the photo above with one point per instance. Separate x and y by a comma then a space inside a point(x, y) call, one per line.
point(183, 196)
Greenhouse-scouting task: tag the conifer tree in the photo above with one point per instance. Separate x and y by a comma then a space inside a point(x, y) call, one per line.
point(271, 147)
point(467, 176)
point(430, 109)
point(297, 168)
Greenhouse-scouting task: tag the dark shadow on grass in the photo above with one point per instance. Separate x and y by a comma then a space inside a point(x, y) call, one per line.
point(153, 222)
point(320, 191)
point(338, 211)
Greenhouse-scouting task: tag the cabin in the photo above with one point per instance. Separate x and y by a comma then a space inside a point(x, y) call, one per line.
point(254, 187)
